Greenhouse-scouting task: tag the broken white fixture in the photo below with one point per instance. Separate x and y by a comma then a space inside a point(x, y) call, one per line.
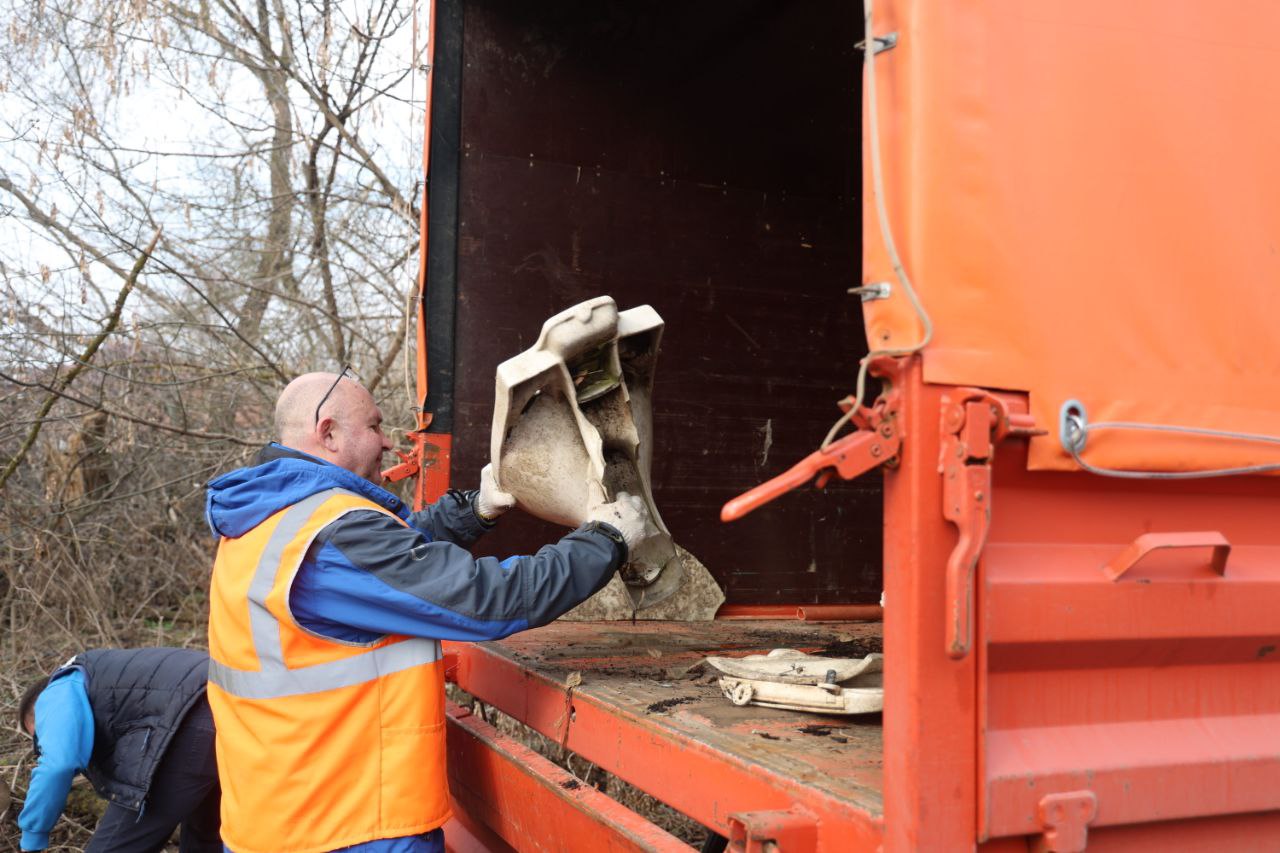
point(573, 427)
point(793, 680)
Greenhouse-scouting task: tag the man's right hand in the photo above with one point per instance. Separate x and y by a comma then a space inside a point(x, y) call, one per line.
point(629, 515)
point(491, 501)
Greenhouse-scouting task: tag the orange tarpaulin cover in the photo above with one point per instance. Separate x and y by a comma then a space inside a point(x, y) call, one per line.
point(1087, 198)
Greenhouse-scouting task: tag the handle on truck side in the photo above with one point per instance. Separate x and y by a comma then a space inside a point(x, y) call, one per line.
point(1148, 542)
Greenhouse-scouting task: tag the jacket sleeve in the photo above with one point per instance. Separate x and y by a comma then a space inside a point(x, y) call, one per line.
point(64, 731)
point(368, 575)
point(454, 518)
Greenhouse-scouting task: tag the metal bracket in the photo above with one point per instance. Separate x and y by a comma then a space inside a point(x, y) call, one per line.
point(972, 424)
point(888, 41)
point(871, 292)
point(772, 832)
point(427, 461)
point(1065, 818)
point(411, 463)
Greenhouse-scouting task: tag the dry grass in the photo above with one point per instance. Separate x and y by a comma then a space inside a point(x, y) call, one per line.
point(103, 544)
point(103, 539)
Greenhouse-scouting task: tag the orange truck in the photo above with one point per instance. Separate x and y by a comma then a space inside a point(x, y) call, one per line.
point(1061, 230)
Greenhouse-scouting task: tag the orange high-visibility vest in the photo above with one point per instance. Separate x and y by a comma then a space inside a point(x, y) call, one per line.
point(321, 744)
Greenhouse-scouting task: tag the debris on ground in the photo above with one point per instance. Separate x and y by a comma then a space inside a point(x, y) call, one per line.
point(667, 704)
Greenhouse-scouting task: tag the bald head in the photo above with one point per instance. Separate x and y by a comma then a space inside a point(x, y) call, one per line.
point(296, 406)
point(348, 431)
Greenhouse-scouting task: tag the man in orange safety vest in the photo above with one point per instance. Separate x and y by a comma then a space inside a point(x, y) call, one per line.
point(328, 602)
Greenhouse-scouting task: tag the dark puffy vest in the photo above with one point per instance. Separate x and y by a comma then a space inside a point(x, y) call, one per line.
point(139, 697)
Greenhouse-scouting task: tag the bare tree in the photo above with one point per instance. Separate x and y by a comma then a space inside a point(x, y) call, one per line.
point(272, 147)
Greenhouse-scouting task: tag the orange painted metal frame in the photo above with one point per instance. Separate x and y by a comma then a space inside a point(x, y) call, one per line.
point(1099, 706)
point(930, 760)
point(428, 458)
point(503, 787)
point(708, 785)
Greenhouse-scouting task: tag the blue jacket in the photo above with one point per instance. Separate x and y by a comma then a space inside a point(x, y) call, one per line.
point(365, 575)
point(64, 733)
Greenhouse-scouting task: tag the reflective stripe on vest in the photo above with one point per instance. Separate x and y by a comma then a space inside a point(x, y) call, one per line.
point(274, 679)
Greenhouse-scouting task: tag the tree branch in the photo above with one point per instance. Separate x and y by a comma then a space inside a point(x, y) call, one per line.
point(208, 436)
point(82, 362)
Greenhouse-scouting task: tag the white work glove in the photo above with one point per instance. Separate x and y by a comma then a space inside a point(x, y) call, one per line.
point(491, 502)
point(628, 515)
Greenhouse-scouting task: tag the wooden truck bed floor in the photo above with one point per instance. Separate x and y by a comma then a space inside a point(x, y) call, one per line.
point(645, 711)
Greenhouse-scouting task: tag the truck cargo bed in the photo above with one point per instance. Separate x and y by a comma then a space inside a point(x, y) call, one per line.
point(669, 728)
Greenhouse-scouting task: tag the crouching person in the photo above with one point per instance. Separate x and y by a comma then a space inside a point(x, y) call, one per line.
point(136, 722)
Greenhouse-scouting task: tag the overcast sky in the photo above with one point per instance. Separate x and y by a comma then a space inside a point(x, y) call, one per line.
point(157, 129)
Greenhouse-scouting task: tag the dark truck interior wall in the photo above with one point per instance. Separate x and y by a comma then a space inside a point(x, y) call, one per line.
point(701, 157)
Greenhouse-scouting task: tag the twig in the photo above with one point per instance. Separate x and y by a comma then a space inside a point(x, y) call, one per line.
point(82, 362)
point(226, 321)
point(208, 436)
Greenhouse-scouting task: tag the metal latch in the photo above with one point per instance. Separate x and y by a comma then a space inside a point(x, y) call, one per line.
point(973, 422)
point(411, 463)
point(772, 832)
point(876, 442)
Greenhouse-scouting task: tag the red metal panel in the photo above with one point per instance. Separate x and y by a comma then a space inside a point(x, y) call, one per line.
point(1140, 771)
point(1230, 833)
point(1121, 666)
point(534, 804)
point(1069, 598)
point(1249, 832)
point(803, 612)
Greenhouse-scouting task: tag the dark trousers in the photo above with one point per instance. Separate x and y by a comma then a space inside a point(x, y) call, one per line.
point(184, 791)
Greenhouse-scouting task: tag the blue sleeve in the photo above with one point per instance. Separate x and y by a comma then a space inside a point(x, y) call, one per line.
point(453, 518)
point(64, 730)
point(367, 575)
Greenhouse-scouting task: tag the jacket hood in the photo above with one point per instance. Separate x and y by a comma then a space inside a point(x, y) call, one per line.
point(240, 500)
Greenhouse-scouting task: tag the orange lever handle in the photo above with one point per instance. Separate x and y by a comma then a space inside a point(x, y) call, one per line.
point(793, 478)
point(851, 456)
